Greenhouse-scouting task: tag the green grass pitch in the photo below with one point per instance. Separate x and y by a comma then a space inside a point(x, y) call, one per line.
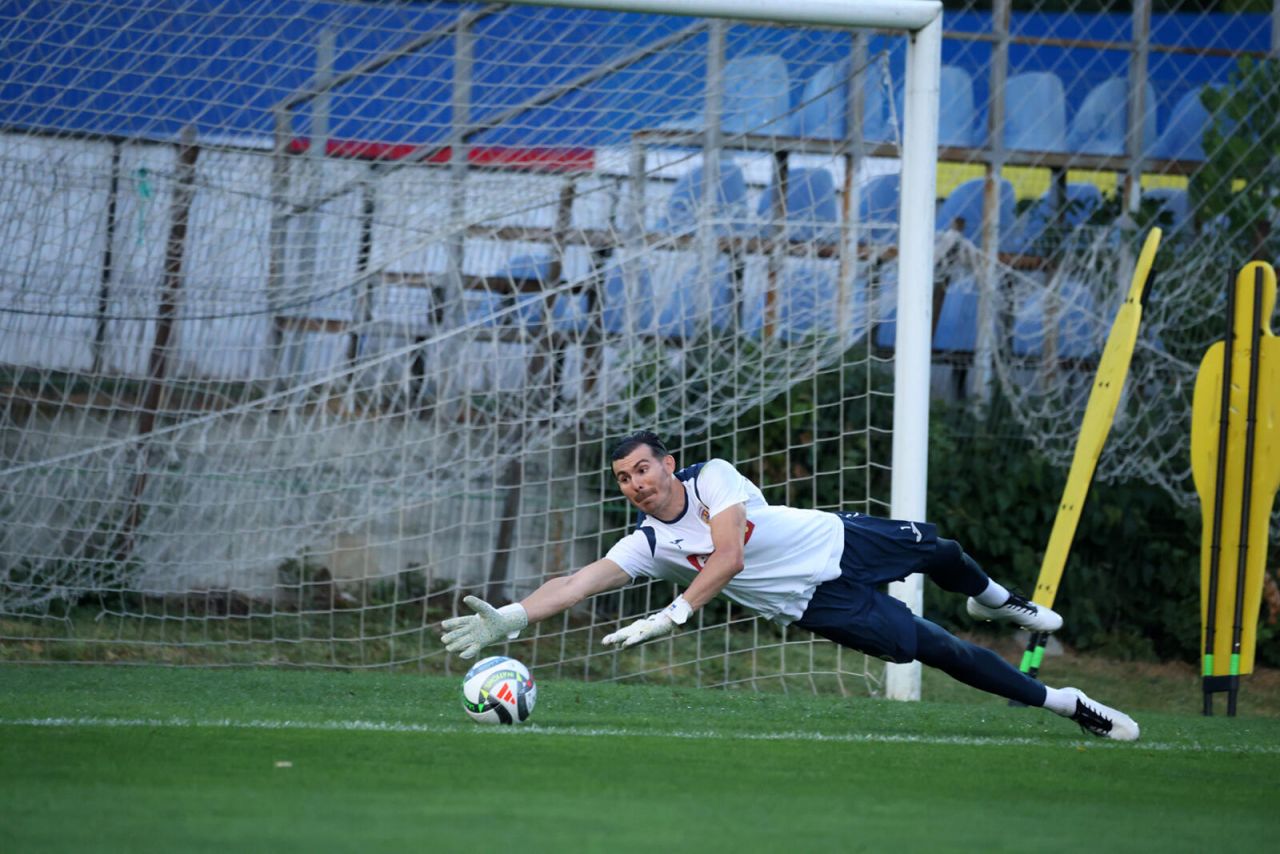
point(151, 759)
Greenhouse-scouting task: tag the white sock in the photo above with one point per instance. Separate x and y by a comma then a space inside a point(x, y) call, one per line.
point(994, 596)
point(1060, 702)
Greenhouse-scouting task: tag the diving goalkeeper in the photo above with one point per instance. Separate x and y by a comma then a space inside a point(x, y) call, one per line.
point(710, 530)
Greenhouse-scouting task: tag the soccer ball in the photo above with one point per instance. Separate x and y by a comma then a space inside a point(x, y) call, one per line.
point(499, 690)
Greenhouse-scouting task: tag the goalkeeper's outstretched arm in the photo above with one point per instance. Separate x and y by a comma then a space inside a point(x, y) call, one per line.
point(560, 594)
point(467, 635)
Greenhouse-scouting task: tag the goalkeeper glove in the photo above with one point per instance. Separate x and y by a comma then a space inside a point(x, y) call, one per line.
point(653, 626)
point(465, 635)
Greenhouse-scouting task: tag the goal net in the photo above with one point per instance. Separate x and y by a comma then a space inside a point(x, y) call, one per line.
point(315, 319)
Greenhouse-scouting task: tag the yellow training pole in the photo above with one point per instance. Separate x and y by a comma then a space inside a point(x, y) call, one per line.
point(1099, 414)
point(1236, 477)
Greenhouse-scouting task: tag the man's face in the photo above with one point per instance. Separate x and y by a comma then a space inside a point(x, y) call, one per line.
point(648, 481)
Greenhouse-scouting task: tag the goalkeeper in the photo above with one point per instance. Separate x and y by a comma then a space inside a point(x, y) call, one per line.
point(710, 530)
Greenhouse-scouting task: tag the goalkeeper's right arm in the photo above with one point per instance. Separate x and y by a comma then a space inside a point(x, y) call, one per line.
point(467, 635)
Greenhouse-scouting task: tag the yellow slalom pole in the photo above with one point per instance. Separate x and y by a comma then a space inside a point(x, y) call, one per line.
point(1099, 414)
point(1235, 461)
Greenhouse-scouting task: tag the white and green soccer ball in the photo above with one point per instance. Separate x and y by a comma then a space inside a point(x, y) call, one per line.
point(499, 690)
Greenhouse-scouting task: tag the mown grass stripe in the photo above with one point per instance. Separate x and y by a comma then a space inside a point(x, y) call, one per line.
point(620, 732)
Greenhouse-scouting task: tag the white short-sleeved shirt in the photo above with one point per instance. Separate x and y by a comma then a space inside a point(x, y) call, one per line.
point(788, 552)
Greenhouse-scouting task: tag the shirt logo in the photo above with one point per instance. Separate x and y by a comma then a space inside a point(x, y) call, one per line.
point(911, 526)
point(704, 514)
point(677, 543)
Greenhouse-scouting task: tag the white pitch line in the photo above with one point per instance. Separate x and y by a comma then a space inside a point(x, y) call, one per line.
point(616, 732)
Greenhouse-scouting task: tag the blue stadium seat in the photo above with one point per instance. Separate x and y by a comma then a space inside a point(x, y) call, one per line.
point(531, 308)
point(957, 327)
point(812, 210)
point(809, 302)
point(687, 299)
point(956, 116)
point(1077, 327)
point(627, 311)
point(569, 313)
point(956, 330)
point(1100, 125)
point(965, 202)
point(805, 303)
point(1082, 200)
point(481, 308)
point(757, 95)
point(685, 202)
point(1183, 135)
point(757, 98)
point(823, 112)
point(1035, 112)
point(878, 209)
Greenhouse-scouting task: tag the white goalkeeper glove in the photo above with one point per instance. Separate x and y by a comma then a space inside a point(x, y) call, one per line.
point(653, 626)
point(465, 635)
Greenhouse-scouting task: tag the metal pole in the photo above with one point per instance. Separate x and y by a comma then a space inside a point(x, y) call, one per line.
point(1219, 490)
point(988, 281)
point(1134, 143)
point(712, 141)
point(309, 224)
point(277, 237)
point(463, 60)
point(108, 262)
point(1246, 500)
point(362, 312)
point(157, 369)
point(855, 150)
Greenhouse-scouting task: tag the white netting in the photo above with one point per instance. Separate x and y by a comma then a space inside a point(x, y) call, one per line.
point(281, 390)
point(329, 316)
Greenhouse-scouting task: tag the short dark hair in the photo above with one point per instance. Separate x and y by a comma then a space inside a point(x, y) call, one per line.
point(641, 437)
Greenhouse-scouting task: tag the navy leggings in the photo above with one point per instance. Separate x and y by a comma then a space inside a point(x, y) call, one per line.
point(954, 571)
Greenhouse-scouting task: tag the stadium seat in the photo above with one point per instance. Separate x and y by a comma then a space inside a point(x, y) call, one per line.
point(1035, 112)
point(805, 303)
point(757, 98)
point(878, 209)
point(1183, 135)
point(531, 307)
point(482, 308)
point(1100, 125)
point(684, 297)
point(570, 313)
point(757, 95)
point(956, 330)
point(685, 202)
point(1077, 326)
point(965, 202)
point(812, 210)
point(1082, 200)
point(627, 310)
point(823, 112)
point(956, 116)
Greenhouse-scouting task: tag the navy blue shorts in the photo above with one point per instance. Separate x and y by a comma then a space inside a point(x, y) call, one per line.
point(851, 610)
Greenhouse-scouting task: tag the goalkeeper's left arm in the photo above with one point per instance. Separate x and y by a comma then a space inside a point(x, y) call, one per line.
point(468, 635)
point(728, 533)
